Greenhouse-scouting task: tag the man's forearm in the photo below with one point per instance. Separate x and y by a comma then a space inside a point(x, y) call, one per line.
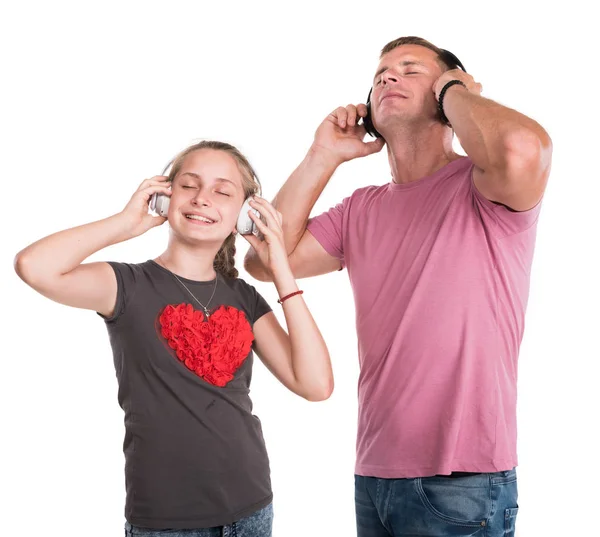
point(295, 201)
point(298, 195)
point(489, 132)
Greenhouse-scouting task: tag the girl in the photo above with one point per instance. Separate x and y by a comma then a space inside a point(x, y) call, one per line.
point(182, 328)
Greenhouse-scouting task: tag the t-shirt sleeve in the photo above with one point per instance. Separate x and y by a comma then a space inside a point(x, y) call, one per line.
point(327, 228)
point(504, 221)
point(126, 283)
point(260, 305)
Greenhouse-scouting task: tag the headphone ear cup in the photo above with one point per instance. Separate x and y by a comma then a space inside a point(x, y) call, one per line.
point(245, 225)
point(368, 120)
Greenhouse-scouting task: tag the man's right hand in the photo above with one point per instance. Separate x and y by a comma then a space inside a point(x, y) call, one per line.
point(340, 137)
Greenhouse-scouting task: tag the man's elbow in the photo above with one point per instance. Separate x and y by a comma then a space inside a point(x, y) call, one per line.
point(255, 268)
point(529, 149)
point(322, 393)
point(25, 268)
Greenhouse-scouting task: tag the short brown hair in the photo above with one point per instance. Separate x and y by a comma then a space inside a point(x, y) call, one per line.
point(414, 40)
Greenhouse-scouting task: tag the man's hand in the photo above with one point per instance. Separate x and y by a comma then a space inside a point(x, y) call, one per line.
point(340, 138)
point(456, 74)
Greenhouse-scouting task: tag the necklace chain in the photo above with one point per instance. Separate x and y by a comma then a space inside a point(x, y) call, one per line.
point(205, 308)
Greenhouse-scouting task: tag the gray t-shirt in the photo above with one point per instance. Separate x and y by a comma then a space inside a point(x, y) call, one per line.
point(195, 456)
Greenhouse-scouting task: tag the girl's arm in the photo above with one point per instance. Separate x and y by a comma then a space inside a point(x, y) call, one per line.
point(299, 360)
point(53, 265)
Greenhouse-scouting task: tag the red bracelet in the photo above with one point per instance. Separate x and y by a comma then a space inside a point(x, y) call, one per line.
point(281, 300)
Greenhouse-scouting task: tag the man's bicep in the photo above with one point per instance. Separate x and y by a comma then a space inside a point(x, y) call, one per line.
point(310, 258)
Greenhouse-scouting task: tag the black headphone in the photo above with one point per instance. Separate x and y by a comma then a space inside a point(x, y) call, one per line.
point(446, 56)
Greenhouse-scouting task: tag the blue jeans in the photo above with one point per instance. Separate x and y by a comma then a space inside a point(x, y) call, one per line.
point(482, 505)
point(258, 524)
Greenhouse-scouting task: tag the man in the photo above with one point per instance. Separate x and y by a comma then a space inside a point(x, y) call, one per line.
point(439, 260)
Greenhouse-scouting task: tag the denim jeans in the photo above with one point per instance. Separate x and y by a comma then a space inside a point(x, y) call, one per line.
point(481, 505)
point(259, 524)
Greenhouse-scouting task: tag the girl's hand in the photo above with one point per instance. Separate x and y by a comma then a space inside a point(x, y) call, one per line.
point(135, 213)
point(271, 249)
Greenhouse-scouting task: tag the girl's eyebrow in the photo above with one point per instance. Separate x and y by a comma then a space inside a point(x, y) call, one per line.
point(198, 177)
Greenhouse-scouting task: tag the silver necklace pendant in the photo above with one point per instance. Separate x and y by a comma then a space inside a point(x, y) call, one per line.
point(205, 308)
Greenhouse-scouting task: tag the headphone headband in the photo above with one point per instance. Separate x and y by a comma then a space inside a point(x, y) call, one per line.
point(451, 60)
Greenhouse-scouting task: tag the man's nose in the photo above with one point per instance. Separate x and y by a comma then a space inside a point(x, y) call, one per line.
point(388, 77)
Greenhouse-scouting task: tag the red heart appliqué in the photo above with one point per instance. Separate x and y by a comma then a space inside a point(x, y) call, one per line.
point(213, 349)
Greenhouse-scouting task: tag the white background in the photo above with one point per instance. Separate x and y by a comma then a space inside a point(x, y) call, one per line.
point(98, 96)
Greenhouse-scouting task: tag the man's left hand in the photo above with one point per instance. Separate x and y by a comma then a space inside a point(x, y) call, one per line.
point(456, 74)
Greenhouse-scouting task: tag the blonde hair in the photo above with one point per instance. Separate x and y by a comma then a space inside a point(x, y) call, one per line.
point(224, 262)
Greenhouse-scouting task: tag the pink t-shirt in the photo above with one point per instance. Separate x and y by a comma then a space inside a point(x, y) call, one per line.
point(441, 279)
